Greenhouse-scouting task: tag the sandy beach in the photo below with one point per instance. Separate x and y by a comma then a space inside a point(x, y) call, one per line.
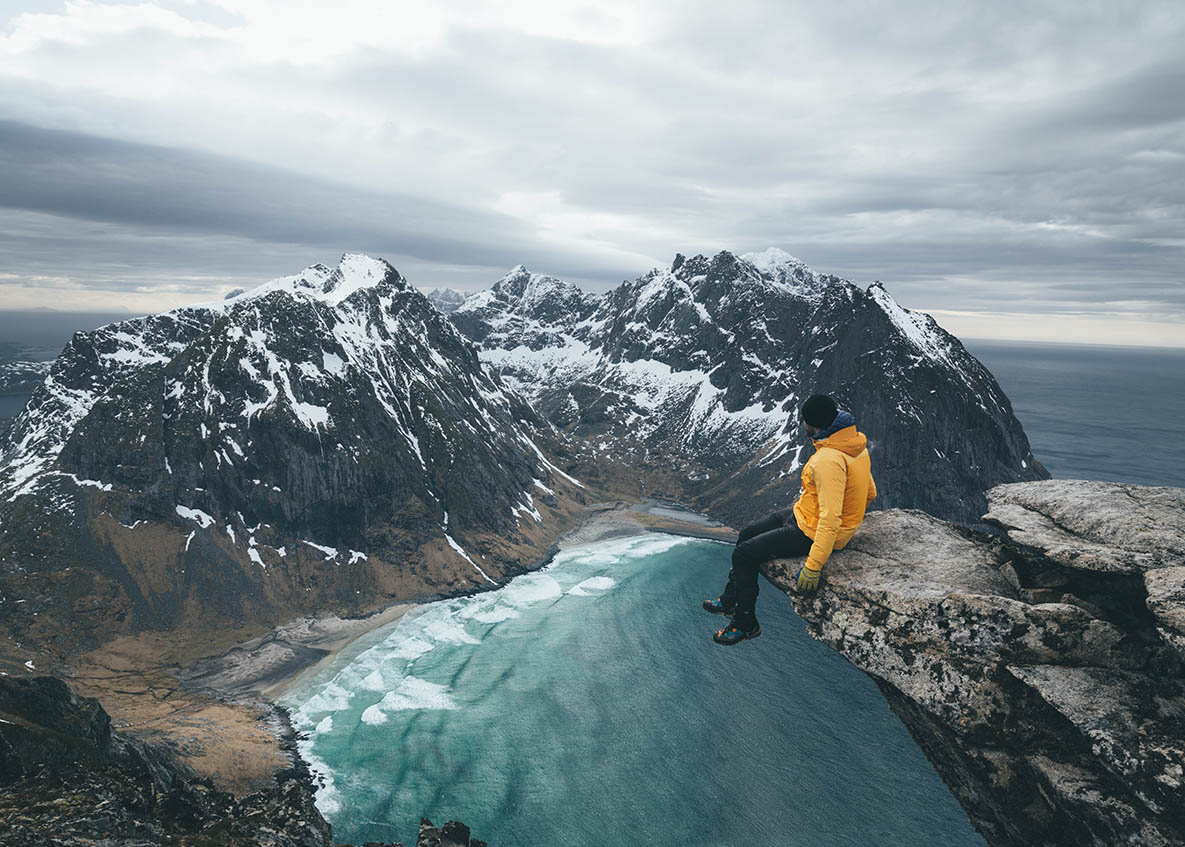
point(218, 712)
point(267, 666)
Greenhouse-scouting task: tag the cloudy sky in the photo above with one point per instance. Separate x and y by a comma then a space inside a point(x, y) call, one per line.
point(1015, 169)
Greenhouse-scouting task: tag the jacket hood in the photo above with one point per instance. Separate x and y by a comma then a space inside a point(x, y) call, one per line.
point(842, 435)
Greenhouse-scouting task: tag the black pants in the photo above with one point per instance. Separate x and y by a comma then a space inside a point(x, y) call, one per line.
point(773, 537)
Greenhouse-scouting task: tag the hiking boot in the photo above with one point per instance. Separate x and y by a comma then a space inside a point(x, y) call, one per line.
point(734, 634)
point(720, 607)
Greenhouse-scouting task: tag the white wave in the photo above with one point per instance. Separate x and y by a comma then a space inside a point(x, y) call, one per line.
point(593, 583)
point(532, 588)
point(412, 648)
point(331, 698)
point(373, 681)
point(326, 725)
point(414, 693)
point(374, 715)
point(496, 614)
point(447, 630)
point(648, 545)
point(596, 559)
point(326, 799)
point(411, 693)
point(614, 550)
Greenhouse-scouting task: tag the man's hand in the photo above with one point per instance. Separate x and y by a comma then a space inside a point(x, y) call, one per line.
point(808, 579)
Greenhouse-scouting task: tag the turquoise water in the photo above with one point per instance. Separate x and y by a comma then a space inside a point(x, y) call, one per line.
point(586, 704)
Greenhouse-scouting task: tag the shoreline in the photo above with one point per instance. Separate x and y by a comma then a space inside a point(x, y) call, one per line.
point(268, 666)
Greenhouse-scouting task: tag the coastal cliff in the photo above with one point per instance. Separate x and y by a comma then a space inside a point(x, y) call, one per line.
point(69, 778)
point(1038, 666)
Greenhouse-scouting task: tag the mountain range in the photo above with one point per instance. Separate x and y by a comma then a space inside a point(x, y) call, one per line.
point(333, 441)
point(690, 379)
point(326, 440)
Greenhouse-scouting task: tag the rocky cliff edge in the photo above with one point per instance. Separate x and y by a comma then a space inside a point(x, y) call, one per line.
point(1039, 666)
point(68, 778)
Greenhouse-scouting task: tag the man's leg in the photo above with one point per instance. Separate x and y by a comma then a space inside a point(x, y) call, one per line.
point(748, 555)
point(770, 523)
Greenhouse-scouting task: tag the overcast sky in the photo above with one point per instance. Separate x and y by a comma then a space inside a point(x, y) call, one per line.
point(1016, 169)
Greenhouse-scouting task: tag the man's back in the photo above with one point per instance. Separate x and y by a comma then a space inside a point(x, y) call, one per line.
point(837, 486)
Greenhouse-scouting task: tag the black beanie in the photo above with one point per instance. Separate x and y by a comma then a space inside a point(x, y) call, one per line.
point(819, 410)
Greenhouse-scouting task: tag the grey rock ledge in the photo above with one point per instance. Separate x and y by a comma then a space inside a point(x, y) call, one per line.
point(1039, 667)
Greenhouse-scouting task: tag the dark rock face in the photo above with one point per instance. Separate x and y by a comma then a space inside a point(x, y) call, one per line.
point(1041, 670)
point(68, 779)
point(320, 439)
point(697, 369)
point(452, 834)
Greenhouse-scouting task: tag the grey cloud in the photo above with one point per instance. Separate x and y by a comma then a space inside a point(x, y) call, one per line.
point(179, 192)
point(909, 146)
point(1145, 97)
point(65, 173)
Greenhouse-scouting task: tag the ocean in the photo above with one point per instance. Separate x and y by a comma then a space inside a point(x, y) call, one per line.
point(587, 705)
point(1095, 412)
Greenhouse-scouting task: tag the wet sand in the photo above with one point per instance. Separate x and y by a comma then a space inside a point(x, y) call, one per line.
point(265, 667)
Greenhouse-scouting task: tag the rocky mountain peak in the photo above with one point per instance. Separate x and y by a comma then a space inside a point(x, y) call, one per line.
point(703, 361)
point(445, 299)
point(525, 291)
point(522, 301)
point(355, 272)
point(772, 257)
point(331, 427)
point(790, 273)
point(726, 275)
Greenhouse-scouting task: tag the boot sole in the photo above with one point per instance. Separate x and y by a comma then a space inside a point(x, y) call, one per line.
point(728, 612)
point(752, 634)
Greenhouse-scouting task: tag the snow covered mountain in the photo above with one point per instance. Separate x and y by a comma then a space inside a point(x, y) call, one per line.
point(687, 377)
point(324, 440)
point(445, 299)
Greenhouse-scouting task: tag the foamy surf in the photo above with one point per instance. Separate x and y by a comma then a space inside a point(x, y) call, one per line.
point(463, 622)
point(411, 668)
point(592, 585)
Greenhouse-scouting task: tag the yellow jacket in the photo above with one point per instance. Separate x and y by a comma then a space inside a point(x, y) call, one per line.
point(837, 487)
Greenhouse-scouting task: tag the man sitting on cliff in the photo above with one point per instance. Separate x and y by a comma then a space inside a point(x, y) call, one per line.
point(837, 487)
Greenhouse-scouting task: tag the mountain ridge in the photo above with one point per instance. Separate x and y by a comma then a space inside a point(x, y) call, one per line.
point(324, 440)
point(704, 362)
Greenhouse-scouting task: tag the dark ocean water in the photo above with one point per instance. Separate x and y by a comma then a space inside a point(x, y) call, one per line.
point(1093, 412)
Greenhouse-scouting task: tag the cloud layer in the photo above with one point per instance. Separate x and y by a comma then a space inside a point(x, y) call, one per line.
point(998, 164)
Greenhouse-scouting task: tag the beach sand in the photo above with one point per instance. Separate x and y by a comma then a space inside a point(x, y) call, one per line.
point(214, 703)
